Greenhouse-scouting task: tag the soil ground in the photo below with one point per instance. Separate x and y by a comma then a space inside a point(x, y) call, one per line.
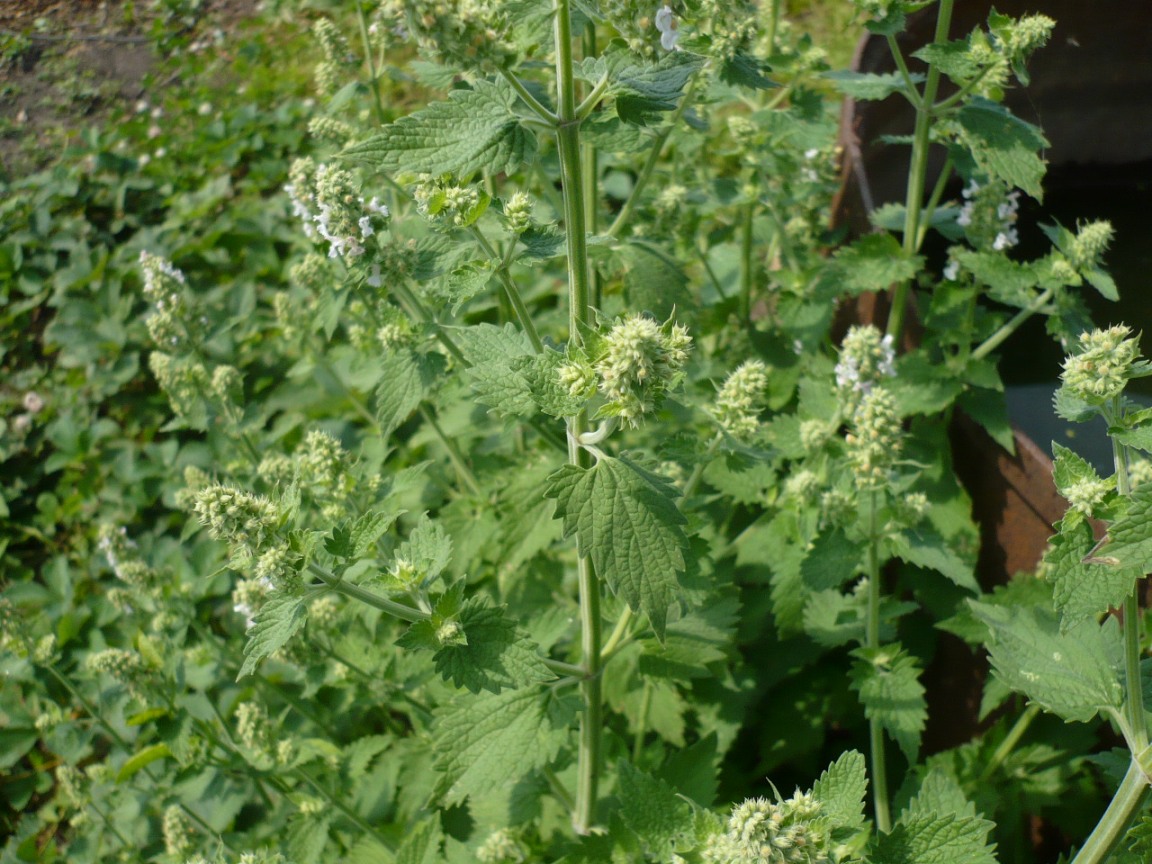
point(66, 65)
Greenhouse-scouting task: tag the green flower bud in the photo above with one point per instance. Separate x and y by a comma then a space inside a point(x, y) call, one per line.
point(179, 838)
point(740, 399)
point(874, 444)
point(239, 518)
point(1091, 242)
point(331, 129)
point(640, 361)
point(500, 847)
point(518, 212)
point(1100, 370)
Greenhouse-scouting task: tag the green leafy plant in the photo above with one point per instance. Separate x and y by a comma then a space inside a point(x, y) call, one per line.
point(513, 501)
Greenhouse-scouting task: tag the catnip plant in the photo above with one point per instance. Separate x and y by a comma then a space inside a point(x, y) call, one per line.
point(543, 483)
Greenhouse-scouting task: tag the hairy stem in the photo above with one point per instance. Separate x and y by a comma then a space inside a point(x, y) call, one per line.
point(579, 316)
point(373, 76)
point(1010, 741)
point(511, 292)
point(872, 637)
point(996, 339)
point(1113, 825)
point(334, 583)
point(918, 171)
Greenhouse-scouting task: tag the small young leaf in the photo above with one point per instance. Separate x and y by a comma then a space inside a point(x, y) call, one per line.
point(422, 845)
point(841, 790)
point(1083, 590)
point(872, 263)
point(307, 836)
point(405, 380)
point(493, 352)
point(1130, 536)
point(1003, 145)
point(652, 809)
point(626, 518)
point(278, 620)
point(495, 653)
point(868, 85)
point(832, 560)
point(746, 71)
point(888, 681)
point(139, 760)
point(1074, 674)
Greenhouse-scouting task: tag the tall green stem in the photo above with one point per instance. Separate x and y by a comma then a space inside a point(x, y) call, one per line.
point(918, 171)
point(579, 317)
point(1133, 686)
point(1113, 825)
point(996, 339)
point(872, 638)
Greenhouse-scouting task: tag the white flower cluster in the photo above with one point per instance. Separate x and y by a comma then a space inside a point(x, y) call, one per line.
point(666, 25)
point(1005, 211)
point(328, 202)
point(865, 358)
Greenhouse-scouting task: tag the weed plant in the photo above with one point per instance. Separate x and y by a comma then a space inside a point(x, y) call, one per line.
point(510, 494)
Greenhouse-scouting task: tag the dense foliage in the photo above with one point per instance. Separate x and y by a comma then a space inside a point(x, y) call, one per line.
point(471, 464)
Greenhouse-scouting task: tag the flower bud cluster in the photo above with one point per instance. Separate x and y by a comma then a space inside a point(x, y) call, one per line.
point(501, 847)
point(70, 786)
point(164, 288)
point(458, 32)
point(14, 633)
point(239, 518)
point(328, 202)
point(766, 832)
point(875, 440)
point(126, 667)
point(248, 595)
point(1023, 36)
point(1099, 371)
point(192, 390)
point(279, 567)
point(338, 56)
point(866, 357)
point(518, 212)
point(989, 215)
point(120, 552)
point(1084, 496)
point(740, 399)
point(312, 274)
point(638, 362)
point(1091, 242)
point(331, 129)
point(443, 201)
point(179, 838)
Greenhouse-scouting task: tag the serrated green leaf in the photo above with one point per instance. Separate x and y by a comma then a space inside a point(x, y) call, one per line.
point(307, 837)
point(493, 353)
point(888, 681)
point(939, 793)
point(474, 130)
point(1074, 674)
point(746, 71)
point(832, 560)
point(422, 844)
point(367, 529)
point(278, 620)
point(1070, 407)
point(653, 280)
point(932, 838)
point(488, 742)
point(495, 655)
point(139, 760)
point(1083, 591)
point(692, 771)
point(652, 809)
point(1102, 282)
point(989, 409)
point(926, 547)
point(406, 378)
point(626, 519)
point(1003, 145)
point(872, 263)
point(1130, 536)
point(467, 281)
point(427, 549)
point(867, 85)
point(841, 790)
point(701, 637)
point(1069, 468)
point(542, 372)
point(954, 59)
point(644, 90)
point(1139, 436)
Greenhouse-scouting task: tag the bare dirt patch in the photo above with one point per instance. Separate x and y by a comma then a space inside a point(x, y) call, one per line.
point(66, 65)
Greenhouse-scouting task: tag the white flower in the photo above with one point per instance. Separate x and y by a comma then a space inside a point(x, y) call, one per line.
point(33, 402)
point(667, 27)
point(952, 271)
